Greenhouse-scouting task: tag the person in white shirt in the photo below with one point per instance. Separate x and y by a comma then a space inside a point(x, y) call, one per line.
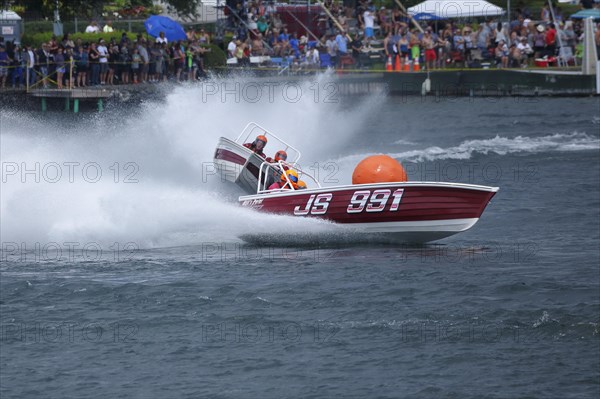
point(161, 38)
point(30, 59)
point(312, 57)
point(369, 18)
point(231, 47)
point(103, 60)
point(92, 28)
point(525, 50)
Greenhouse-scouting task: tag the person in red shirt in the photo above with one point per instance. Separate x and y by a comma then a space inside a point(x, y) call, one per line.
point(550, 41)
point(258, 145)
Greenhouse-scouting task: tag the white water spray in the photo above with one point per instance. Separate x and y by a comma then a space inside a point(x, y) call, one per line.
point(147, 179)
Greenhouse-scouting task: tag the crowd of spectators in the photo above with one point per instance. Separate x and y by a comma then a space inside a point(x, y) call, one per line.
point(259, 30)
point(109, 60)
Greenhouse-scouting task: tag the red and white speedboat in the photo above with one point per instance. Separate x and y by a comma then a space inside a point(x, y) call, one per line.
point(399, 211)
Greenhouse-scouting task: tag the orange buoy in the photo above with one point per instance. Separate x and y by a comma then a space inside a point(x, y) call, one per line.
point(406, 64)
point(378, 169)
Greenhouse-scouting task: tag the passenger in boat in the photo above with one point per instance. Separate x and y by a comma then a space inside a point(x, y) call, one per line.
point(292, 175)
point(258, 145)
point(279, 156)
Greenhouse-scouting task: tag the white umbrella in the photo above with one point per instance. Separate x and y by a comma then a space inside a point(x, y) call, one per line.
point(456, 8)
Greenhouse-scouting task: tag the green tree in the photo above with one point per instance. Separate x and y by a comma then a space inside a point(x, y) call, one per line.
point(94, 8)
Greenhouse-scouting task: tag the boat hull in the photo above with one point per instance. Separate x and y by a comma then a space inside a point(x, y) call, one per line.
point(237, 164)
point(412, 212)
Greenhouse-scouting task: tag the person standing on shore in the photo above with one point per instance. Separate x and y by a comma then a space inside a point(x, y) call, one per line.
point(103, 60)
point(145, 60)
point(369, 19)
point(161, 38)
point(95, 67)
point(30, 64)
point(41, 56)
point(342, 44)
point(18, 63)
point(550, 40)
point(59, 60)
point(82, 66)
point(430, 54)
point(539, 42)
point(4, 63)
point(545, 14)
point(124, 65)
point(204, 38)
point(357, 47)
point(113, 60)
point(92, 28)
point(108, 27)
point(389, 47)
point(136, 60)
point(332, 49)
point(178, 60)
point(231, 48)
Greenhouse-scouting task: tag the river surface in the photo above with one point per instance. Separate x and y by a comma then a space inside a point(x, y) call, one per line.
point(124, 273)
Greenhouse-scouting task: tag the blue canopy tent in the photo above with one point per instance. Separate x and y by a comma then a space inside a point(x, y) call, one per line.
point(425, 16)
point(590, 13)
point(158, 23)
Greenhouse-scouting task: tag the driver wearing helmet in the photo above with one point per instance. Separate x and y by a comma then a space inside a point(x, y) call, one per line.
point(290, 175)
point(258, 145)
point(279, 156)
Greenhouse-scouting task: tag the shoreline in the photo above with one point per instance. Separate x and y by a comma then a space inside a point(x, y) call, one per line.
point(438, 83)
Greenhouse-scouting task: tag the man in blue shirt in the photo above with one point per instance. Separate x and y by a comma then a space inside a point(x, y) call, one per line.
point(284, 36)
point(283, 40)
point(295, 45)
point(342, 43)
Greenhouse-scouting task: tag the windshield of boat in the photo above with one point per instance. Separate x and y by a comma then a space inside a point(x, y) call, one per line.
point(279, 169)
point(274, 142)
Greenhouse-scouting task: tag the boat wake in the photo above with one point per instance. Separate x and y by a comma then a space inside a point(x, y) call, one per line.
point(575, 141)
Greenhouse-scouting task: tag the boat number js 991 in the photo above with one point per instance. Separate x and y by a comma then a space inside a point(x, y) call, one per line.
point(362, 200)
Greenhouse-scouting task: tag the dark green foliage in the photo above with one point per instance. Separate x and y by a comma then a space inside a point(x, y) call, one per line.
point(215, 58)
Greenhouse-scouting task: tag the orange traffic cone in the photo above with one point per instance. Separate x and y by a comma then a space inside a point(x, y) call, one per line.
point(416, 66)
point(388, 64)
point(406, 64)
point(397, 66)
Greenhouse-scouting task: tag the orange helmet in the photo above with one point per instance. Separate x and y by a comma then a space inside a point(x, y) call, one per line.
point(260, 139)
point(301, 185)
point(291, 175)
point(280, 156)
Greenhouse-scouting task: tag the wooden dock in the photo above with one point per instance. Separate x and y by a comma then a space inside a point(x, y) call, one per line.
point(97, 94)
